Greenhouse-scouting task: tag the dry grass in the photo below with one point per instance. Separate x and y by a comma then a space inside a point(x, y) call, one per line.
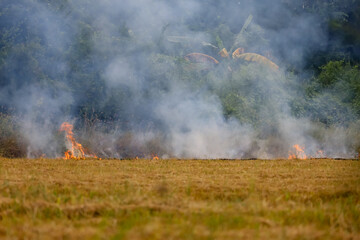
point(179, 199)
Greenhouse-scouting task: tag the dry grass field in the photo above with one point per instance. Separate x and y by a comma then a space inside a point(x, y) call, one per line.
point(179, 199)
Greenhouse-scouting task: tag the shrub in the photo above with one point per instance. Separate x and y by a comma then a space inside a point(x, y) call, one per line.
point(10, 144)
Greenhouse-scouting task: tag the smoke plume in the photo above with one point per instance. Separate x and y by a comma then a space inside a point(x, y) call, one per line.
point(116, 69)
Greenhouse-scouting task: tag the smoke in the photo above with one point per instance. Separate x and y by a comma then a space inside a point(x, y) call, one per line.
point(116, 69)
point(196, 127)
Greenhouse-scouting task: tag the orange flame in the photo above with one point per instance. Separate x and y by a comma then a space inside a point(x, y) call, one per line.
point(76, 150)
point(298, 153)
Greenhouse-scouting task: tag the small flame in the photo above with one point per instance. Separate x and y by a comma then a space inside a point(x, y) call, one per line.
point(155, 157)
point(299, 152)
point(76, 150)
point(320, 154)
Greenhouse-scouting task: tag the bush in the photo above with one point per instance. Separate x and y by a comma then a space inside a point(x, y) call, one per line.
point(334, 96)
point(10, 144)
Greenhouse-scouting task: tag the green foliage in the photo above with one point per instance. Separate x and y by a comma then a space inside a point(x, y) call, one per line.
point(249, 92)
point(333, 96)
point(330, 73)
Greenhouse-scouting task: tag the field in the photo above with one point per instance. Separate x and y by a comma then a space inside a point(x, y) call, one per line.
point(179, 199)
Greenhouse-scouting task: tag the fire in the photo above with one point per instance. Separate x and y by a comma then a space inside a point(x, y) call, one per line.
point(299, 152)
point(76, 150)
point(155, 157)
point(320, 154)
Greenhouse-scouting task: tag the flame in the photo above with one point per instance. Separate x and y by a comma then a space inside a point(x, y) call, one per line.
point(68, 155)
point(76, 150)
point(155, 157)
point(320, 154)
point(299, 153)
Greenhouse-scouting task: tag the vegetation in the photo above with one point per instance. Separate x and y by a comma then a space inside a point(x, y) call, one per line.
point(176, 199)
point(109, 68)
point(54, 58)
point(10, 145)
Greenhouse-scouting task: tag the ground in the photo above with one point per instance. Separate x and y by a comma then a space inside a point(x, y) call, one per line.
point(179, 199)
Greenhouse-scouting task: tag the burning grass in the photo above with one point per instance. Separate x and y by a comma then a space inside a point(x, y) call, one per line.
point(75, 149)
point(175, 199)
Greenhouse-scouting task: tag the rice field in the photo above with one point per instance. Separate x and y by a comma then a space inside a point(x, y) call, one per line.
point(179, 199)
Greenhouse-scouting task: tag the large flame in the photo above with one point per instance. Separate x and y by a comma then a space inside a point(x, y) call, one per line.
point(297, 153)
point(75, 149)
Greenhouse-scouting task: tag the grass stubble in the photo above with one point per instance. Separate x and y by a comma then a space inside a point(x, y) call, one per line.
point(179, 199)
